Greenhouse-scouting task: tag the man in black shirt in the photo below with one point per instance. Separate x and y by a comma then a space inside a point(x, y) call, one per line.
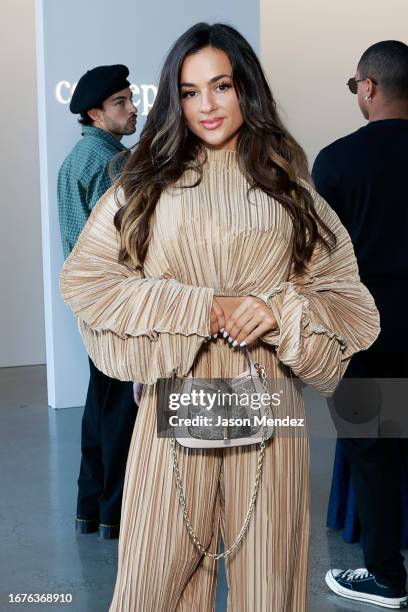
point(364, 178)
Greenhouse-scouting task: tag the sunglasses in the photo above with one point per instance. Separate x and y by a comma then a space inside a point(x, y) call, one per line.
point(352, 83)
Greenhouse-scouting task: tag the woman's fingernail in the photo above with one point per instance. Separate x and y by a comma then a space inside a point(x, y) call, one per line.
point(215, 335)
point(230, 339)
point(225, 334)
point(234, 343)
point(243, 343)
point(222, 330)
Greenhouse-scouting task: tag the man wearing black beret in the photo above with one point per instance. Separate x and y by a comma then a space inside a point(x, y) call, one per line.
point(103, 99)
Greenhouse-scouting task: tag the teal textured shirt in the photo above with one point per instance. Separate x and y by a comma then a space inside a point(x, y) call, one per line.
point(83, 179)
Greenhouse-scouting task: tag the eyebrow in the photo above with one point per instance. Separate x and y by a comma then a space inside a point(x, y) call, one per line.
point(216, 78)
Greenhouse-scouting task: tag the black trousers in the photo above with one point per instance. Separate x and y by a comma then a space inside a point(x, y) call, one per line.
point(107, 426)
point(375, 471)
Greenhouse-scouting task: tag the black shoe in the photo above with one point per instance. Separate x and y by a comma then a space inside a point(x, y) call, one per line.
point(108, 532)
point(83, 525)
point(360, 585)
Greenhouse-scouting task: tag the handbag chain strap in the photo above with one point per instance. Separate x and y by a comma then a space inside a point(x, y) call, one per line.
point(182, 499)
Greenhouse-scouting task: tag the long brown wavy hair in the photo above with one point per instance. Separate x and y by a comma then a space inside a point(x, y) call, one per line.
point(268, 155)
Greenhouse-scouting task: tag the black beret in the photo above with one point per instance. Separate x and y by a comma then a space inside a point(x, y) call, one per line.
point(96, 85)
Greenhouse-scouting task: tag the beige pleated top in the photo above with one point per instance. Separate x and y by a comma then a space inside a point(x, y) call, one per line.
point(215, 239)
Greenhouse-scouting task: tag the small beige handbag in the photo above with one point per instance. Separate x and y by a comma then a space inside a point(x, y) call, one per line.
point(203, 436)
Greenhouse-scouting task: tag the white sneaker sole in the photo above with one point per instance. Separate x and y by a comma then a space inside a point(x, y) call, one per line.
point(385, 602)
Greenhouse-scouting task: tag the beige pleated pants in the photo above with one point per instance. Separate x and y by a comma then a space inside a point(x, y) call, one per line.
point(160, 569)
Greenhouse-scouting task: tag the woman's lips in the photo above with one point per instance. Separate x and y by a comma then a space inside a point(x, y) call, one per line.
point(212, 124)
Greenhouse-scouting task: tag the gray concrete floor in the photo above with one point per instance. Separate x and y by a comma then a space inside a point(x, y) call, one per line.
point(40, 552)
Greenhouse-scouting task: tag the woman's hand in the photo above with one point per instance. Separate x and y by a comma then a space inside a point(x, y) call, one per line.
point(222, 308)
point(250, 319)
point(217, 318)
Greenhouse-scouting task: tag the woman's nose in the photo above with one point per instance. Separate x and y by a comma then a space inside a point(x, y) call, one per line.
point(207, 103)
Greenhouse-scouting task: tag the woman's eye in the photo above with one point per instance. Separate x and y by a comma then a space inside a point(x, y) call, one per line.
point(223, 86)
point(188, 94)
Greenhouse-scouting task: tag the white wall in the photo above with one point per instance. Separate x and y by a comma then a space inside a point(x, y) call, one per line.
point(310, 49)
point(21, 304)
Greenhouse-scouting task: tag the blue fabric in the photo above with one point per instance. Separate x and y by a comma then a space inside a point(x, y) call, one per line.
point(342, 513)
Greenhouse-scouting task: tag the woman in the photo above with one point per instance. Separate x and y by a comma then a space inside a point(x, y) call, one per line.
point(213, 232)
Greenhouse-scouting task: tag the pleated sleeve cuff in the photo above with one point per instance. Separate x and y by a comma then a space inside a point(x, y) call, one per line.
point(146, 357)
point(143, 347)
point(158, 348)
point(319, 331)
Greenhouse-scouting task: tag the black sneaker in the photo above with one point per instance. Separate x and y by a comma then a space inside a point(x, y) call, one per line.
point(360, 585)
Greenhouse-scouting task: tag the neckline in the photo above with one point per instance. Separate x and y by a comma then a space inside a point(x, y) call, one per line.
point(226, 157)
